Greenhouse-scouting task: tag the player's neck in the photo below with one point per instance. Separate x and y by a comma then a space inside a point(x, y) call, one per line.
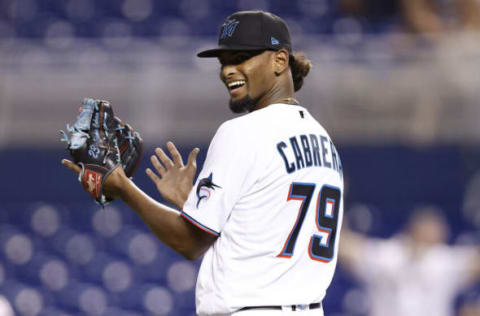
point(282, 93)
point(287, 100)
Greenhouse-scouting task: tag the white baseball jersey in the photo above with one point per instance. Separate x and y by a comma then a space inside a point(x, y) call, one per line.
point(271, 189)
point(399, 284)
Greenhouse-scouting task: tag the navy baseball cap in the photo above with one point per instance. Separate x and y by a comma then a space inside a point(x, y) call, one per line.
point(251, 30)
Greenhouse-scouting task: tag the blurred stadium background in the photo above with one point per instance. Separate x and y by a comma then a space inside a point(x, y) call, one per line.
point(401, 104)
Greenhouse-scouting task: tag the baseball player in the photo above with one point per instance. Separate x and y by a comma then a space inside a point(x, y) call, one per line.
point(266, 208)
point(415, 272)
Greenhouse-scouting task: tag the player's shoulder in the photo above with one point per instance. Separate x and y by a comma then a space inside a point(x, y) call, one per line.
point(231, 126)
point(246, 123)
point(269, 115)
point(271, 120)
point(247, 129)
point(235, 130)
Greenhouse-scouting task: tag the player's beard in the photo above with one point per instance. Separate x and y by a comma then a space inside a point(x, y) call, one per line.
point(245, 104)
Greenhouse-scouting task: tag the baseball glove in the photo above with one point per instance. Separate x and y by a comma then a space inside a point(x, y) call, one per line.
point(100, 142)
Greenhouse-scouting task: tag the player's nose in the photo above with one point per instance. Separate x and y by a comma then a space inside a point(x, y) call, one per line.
point(227, 72)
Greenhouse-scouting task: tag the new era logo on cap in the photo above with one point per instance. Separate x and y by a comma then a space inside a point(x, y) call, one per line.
point(274, 41)
point(228, 28)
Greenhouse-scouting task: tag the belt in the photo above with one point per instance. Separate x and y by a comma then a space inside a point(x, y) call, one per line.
point(299, 307)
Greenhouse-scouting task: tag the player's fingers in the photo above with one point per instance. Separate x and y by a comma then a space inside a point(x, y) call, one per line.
point(158, 166)
point(177, 158)
point(167, 162)
point(152, 175)
point(72, 166)
point(192, 158)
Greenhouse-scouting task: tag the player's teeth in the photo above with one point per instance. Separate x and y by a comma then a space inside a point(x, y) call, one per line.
point(236, 84)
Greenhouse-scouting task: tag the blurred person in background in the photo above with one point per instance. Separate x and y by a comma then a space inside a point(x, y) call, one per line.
point(375, 15)
point(5, 307)
point(425, 17)
point(432, 17)
point(413, 273)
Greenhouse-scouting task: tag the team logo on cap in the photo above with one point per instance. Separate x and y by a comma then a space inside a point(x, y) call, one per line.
point(205, 187)
point(228, 28)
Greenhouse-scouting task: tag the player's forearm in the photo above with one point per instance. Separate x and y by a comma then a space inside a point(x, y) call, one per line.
point(166, 223)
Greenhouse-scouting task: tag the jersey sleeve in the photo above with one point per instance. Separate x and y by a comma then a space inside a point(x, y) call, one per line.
point(459, 265)
point(227, 172)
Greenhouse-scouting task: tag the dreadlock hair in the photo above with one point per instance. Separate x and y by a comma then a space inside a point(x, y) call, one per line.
point(300, 66)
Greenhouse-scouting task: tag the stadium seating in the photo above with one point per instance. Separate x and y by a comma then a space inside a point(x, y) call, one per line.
point(151, 19)
point(81, 260)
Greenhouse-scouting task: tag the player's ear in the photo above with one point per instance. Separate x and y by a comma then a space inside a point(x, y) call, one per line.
point(280, 61)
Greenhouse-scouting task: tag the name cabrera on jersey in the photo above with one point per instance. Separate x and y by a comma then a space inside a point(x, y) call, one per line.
point(271, 190)
point(309, 153)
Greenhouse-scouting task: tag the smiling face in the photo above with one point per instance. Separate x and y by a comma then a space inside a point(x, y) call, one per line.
point(249, 77)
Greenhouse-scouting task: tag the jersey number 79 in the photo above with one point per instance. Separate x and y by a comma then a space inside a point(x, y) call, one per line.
point(322, 244)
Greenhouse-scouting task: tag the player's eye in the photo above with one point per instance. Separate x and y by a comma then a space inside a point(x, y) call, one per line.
point(234, 60)
point(238, 58)
point(241, 58)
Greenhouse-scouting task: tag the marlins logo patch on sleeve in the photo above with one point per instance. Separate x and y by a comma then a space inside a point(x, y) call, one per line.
point(205, 187)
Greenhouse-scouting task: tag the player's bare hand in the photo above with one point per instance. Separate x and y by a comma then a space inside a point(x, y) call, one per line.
point(113, 183)
point(71, 165)
point(173, 179)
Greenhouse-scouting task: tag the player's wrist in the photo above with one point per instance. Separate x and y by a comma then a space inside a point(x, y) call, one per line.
point(182, 197)
point(178, 201)
point(116, 183)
